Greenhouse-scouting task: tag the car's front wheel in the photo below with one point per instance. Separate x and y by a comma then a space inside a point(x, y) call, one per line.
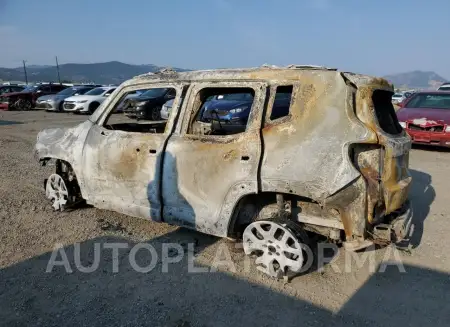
point(23, 104)
point(156, 113)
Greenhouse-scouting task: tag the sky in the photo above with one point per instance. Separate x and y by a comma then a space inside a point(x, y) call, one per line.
point(376, 37)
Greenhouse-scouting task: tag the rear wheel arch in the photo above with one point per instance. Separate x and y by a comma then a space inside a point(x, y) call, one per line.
point(249, 208)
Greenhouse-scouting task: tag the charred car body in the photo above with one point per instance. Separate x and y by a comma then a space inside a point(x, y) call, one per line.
point(26, 99)
point(334, 164)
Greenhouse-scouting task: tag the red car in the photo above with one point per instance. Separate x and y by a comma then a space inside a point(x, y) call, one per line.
point(426, 117)
point(26, 99)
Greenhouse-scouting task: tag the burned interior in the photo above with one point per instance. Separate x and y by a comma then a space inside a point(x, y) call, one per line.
point(131, 101)
point(272, 155)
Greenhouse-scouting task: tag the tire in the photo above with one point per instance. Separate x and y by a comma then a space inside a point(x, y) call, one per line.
point(155, 114)
point(93, 106)
point(60, 107)
point(23, 105)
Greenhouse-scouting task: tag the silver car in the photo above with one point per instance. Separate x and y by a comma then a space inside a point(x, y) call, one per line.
point(166, 108)
point(54, 102)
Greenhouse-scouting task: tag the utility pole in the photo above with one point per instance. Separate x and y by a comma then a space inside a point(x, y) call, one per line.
point(25, 72)
point(57, 69)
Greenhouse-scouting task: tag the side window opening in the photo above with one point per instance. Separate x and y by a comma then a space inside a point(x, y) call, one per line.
point(221, 111)
point(282, 102)
point(146, 111)
point(385, 112)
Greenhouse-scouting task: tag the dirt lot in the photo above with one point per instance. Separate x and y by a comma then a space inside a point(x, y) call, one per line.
point(359, 296)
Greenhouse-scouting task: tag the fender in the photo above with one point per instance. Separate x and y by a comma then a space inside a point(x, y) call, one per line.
point(64, 144)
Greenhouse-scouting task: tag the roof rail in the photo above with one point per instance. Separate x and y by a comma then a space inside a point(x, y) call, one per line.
point(269, 66)
point(167, 70)
point(294, 66)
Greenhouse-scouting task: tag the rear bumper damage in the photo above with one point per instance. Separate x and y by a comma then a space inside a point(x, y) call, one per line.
point(396, 229)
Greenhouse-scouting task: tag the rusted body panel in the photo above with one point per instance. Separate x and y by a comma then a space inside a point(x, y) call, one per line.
point(328, 151)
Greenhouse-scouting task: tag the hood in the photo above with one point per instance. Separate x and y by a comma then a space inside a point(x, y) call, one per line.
point(424, 114)
point(169, 103)
point(85, 97)
point(47, 97)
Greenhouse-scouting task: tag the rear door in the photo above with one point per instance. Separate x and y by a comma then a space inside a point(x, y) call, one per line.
point(209, 165)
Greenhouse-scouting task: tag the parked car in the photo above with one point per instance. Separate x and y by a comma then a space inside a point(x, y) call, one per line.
point(426, 118)
point(55, 102)
point(234, 109)
point(166, 109)
point(444, 87)
point(10, 88)
point(132, 95)
point(335, 164)
point(88, 102)
point(4, 89)
point(148, 105)
point(398, 98)
point(26, 99)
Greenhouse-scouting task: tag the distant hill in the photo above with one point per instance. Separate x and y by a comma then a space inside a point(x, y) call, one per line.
point(416, 79)
point(112, 72)
point(115, 72)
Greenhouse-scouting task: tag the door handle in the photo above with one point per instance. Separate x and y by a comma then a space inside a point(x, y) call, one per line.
point(152, 151)
point(245, 158)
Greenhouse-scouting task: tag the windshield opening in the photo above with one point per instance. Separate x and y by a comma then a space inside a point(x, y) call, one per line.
point(96, 91)
point(434, 101)
point(30, 88)
point(68, 91)
point(154, 93)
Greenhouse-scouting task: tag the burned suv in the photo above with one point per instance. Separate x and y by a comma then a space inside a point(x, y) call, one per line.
point(335, 163)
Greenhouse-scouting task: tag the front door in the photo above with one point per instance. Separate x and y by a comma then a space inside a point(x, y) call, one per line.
point(122, 161)
point(209, 165)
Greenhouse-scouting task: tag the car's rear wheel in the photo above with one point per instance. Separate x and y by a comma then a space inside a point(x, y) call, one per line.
point(280, 246)
point(156, 113)
point(93, 106)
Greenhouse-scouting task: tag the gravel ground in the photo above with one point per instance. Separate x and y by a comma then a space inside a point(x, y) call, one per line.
point(342, 293)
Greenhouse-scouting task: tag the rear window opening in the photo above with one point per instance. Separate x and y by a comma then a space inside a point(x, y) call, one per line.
point(282, 102)
point(385, 112)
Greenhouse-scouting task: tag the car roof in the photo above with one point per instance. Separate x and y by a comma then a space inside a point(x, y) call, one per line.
point(263, 73)
point(106, 88)
point(433, 92)
point(82, 86)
